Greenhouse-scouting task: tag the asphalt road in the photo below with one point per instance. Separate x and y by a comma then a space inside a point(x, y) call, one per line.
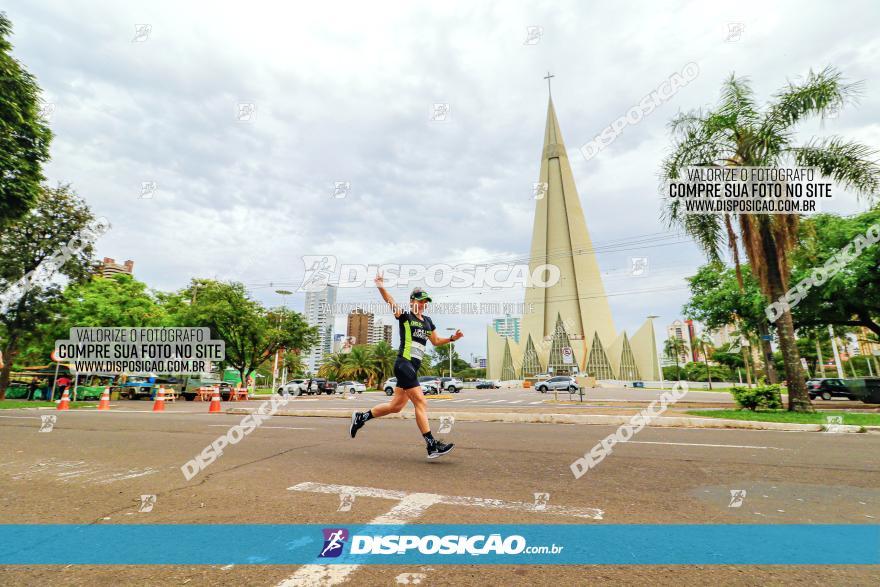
point(93, 467)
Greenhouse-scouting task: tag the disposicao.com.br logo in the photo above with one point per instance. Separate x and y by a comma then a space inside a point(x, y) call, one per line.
point(452, 544)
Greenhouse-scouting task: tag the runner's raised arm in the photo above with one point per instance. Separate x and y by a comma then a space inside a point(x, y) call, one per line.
point(380, 283)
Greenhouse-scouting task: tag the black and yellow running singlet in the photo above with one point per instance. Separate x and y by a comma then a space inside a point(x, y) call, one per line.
point(414, 334)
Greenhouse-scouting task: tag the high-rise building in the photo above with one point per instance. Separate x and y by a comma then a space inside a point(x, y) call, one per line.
point(569, 329)
point(360, 326)
point(380, 331)
point(319, 313)
point(109, 267)
point(723, 335)
point(682, 332)
point(507, 326)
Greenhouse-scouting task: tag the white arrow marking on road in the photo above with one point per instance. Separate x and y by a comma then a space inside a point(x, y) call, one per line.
point(410, 507)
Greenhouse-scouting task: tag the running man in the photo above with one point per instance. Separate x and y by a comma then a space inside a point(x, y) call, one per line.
point(416, 330)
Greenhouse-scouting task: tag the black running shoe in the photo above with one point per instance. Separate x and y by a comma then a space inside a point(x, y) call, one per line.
point(438, 449)
point(357, 422)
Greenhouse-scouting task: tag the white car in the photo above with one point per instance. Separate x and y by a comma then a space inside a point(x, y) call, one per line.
point(351, 387)
point(389, 386)
point(451, 384)
point(559, 383)
point(293, 387)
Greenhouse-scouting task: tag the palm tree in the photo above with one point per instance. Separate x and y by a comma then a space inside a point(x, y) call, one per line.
point(333, 366)
point(705, 345)
point(383, 356)
point(673, 348)
point(739, 132)
point(358, 365)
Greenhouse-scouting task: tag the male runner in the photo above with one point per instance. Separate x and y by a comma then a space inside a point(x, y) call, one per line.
point(415, 330)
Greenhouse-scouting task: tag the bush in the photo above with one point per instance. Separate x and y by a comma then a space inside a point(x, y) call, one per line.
point(760, 397)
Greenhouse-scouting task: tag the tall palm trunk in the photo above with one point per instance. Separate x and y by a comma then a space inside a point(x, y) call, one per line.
point(798, 399)
point(763, 329)
point(708, 370)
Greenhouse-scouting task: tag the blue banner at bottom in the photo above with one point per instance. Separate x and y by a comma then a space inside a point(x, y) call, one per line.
point(271, 544)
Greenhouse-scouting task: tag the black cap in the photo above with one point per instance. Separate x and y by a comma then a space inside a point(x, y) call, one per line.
point(420, 295)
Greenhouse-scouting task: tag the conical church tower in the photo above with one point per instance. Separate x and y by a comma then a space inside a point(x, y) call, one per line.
point(560, 238)
point(569, 328)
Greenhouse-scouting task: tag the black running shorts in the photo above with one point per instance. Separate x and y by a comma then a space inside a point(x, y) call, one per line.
point(406, 372)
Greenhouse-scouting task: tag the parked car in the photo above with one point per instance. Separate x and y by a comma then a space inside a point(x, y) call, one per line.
point(389, 386)
point(430, 384)
point(826, 388)
point(488, 385)
point(560, 383)
point(451, 384)
point(292, 387)
point(318, 385)
point(351, 387)
point(194, 382)
point(867, 389)
point(325, 386)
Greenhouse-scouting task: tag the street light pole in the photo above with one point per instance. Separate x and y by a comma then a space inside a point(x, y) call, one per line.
point(283, 293)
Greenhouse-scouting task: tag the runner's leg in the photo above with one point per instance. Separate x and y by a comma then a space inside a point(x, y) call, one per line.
point(397, 403)
point(416, 396)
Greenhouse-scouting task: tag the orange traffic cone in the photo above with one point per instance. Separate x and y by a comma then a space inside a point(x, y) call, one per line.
point(159, 404)
point(215, 402)
point(64, 404)
point(104, 404)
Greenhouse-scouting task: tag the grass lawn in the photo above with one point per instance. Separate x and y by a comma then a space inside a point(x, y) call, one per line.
point(790, 417)
point(14, 404)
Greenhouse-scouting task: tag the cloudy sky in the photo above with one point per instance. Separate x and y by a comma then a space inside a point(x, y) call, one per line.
point(344, 92)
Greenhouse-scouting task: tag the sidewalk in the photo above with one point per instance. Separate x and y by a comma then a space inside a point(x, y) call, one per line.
point(678, 421)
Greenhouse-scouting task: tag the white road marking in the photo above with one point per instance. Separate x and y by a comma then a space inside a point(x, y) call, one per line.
point(498, 401)
point(535, 403)
point(410, 507)
point(275, 427)
point(22, 417)
point(709, 445)
point(519, 401)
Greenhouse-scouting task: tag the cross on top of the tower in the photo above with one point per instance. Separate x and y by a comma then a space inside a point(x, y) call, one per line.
point(547, 77)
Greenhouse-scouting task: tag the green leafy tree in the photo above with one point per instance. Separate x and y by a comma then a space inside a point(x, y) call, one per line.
point(740, 132)
point(440, 359)
point(49, 235)
point(24, 136)
point(728, 355)
point(721, 296)
point(252, 333)
point(119, 300)
point(851, 297)
point(293, 362)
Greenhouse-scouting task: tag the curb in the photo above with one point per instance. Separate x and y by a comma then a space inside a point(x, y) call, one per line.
point(588, 419)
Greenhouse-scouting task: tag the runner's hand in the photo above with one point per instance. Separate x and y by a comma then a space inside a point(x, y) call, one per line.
point(456, 335)
point(379, 281)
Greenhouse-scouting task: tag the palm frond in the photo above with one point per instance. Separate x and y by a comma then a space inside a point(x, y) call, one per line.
point(737, 101)
point(819, 94)
point(852, 164)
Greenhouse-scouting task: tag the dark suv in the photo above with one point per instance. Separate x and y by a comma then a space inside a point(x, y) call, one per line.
point(827, 388)
point(318, 386)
